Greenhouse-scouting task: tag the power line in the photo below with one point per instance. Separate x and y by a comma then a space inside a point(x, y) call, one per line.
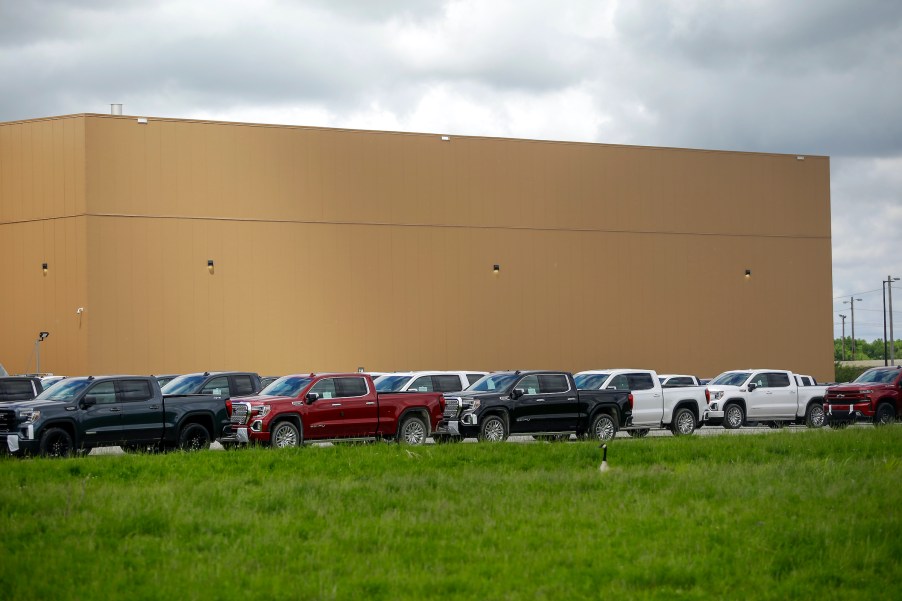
point(857, 293)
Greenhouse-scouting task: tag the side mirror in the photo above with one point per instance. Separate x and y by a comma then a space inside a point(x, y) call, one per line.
point(312, 397)
point(752, 386)
point(88, 401)
point(517, 393)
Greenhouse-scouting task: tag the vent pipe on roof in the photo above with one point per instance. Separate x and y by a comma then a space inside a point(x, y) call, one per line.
point(115, 109)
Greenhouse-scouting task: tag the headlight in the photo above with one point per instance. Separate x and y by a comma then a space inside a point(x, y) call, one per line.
point(472, 406)
point(30, 416)
point(260, 410)
point(718, 395)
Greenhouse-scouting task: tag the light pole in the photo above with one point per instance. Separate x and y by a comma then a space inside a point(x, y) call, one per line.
point(892, 344)
point(843, 317)
point(851, 302)
point(37, 351)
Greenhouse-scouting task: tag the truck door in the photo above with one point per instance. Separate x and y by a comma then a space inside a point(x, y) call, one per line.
point(321, 420)
point(784, 394)
point(102, 418)
point(547, 405)
point(359, 411)
point(142, 412)
point(648, 402)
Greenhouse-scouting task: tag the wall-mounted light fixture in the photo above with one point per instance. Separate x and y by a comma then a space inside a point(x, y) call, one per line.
point(446, 138)
point(800, 158)
point(748, 273)
point(496, 268)
point(44, 268)
point(142, 120)
point(210, 266)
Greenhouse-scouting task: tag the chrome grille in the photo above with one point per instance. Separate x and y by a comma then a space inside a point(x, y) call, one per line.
point(452, 408)
point(7, 421)
point(239, 413)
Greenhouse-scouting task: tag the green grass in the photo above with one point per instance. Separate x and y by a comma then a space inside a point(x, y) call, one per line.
point(813, 514)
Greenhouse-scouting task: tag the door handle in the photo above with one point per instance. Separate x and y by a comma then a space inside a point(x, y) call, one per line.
point(371, 402)
point(540, 400)
point(569, 399)
point(115, 409)
point(336, 404)
point(154, 407)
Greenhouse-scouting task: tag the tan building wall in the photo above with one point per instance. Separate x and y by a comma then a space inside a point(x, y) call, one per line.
point(336, 249)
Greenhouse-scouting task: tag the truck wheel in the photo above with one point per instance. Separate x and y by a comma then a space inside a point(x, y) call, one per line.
point(683, 422)
point(885, 415)
point(603, 427)
point(733, 416)
point(194, 437)
point(446, 438)
point(413, 430)
point(640, 433)
point(493, 429)
point(56, 442)
point(285, 434)
point(815, 416)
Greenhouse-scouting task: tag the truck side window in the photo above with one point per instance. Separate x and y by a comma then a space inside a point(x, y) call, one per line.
point(104, 393)
point(422, 384)
point(619, 382)
point(529, 384)
point(325, 388)
point(446, 383)
point(473, 378)
point(641, 381)
point(244, 385)
point(760, 380)
point(134, 390)
point(775, 380)
point(676, 382)
point(551, 383)
point(350, 387)
point(218, 385)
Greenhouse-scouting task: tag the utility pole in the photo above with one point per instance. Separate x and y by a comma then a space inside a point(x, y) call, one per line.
point(892, 344)
point(843, 317)
point(851, 302)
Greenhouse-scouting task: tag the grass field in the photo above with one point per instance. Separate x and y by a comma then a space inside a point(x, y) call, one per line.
point(804, 515)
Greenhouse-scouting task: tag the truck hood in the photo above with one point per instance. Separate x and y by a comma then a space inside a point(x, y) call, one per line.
point(724, 388)
point(33, 404)
point(852, 388)
point(468, 395)
point(263, 398)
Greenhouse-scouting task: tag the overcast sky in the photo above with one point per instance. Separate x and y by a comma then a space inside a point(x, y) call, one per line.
point(803, 77)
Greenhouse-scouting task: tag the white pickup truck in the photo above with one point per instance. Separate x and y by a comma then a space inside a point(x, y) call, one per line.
point(769, 396)
point(679, 410)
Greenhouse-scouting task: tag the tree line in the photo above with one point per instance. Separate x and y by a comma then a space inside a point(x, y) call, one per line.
point(864, 350)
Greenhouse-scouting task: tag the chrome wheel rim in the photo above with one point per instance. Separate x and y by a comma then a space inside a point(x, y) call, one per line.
point(817, 416)
point(734, 416)
point(285, 437)
point(685, 423)
point(494, 430)
point(604, 429)
point(414, 433)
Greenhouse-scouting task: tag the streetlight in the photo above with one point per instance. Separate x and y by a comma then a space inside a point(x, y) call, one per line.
point(888, 284)
point(851, 302)
point(843, 317)
point(37, 350)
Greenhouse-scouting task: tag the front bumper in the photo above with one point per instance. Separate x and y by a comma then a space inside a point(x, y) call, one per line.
point(242, 435)
point(14, 442)
point(712, 417)
point(453, 427)
point(845, 413)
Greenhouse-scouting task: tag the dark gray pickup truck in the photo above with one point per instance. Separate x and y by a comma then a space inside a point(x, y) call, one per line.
point(127, 411)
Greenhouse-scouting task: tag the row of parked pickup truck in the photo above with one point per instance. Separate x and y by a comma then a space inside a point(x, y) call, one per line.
point(189, 412)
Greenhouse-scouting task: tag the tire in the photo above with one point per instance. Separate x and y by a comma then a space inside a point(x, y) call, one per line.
point(194, 437)
point(285, 434)
point(733, 416)
point(56, 442)
point(604, 427)
point(413, 430)
point(493, 429)
point(683, 422)
point(446, 438)
point(815, 416)
point(885, 415)
point(640, 433)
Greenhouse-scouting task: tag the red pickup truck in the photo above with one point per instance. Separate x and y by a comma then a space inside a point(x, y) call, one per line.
point(875, 397)
point(322, 407)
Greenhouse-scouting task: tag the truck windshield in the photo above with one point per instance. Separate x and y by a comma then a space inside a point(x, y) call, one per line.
point(590, 381)
point(876, 376)
point(735, 378)
point(287, 386)
point(493, 383)
point(184, 384)
point(64, 390)
point(391, 383)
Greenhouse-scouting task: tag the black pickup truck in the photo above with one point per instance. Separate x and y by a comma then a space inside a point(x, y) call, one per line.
point(538, 403)
point(127, 411)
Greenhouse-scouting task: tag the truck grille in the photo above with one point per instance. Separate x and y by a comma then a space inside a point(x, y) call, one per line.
point(452, 408)
point(7, 421)
point(239, 414)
